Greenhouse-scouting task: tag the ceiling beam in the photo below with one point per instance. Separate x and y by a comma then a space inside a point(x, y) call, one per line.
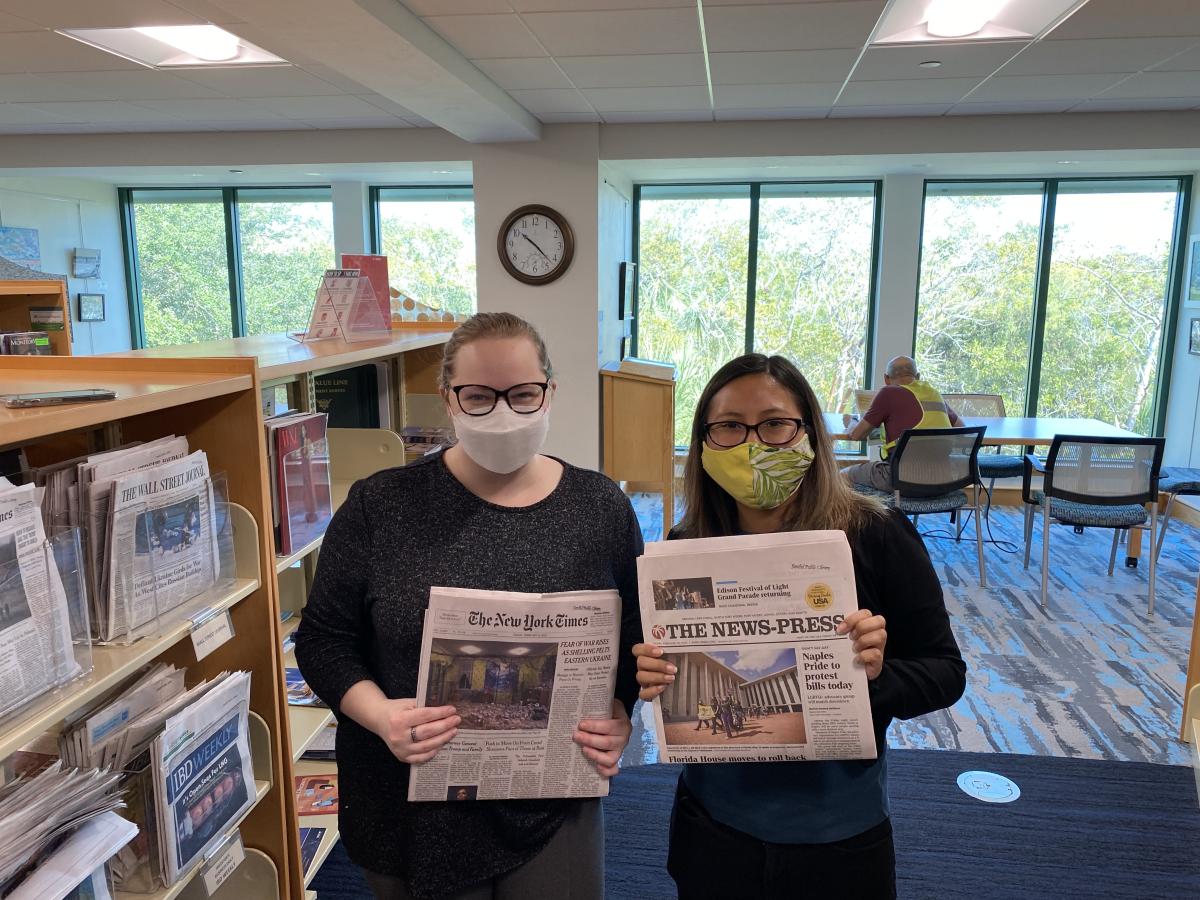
point(390, 51)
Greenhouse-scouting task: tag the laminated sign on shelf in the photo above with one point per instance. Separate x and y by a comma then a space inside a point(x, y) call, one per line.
point(345, 307)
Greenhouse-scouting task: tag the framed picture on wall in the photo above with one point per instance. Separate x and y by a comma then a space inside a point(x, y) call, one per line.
point(91, 307)
point(1194, 338)
point(1191, 286)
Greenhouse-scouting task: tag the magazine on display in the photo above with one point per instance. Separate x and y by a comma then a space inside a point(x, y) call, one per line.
point(521, 670)
point(162, 541)
point(36, 653)
point(300, 479)
point(750, 623)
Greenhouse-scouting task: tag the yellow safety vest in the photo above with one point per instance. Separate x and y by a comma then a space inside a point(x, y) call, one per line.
point(933, 412)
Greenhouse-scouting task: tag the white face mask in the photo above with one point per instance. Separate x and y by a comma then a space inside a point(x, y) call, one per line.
point(502, 441)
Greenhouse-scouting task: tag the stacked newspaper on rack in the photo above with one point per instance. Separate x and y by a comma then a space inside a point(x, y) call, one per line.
point(147, 512)
point(186, 755)
point(750, 624)
point(521, 670)
point(38, 812)
point(36, 653)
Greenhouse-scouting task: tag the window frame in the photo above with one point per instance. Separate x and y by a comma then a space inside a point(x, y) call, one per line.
point(233, 246)
point(1045, 258)
point(755, 187)
point(375, 226)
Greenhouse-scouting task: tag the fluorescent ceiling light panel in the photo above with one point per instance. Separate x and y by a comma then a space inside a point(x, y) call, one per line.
point(959, 21)
point(176, 46)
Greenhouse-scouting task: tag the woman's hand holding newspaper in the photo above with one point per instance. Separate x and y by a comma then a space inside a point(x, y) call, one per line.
point(603, 740)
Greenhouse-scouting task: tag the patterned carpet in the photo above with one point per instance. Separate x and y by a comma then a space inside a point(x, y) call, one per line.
point(1090, 677)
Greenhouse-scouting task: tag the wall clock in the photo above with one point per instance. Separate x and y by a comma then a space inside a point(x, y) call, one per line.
point(535, 244)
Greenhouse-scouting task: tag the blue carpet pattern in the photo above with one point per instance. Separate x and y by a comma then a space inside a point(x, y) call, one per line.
point(1091, 676)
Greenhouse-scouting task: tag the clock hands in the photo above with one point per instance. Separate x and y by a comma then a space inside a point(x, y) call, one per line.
point(537, 248)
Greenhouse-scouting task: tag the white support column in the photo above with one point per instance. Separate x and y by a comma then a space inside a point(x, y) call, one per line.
point(351, 218)
point(896, 293)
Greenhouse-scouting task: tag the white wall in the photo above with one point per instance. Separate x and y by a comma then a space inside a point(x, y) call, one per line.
point(1183, 406)
point(70, 213)
point(559, 171)
point(899, 251)
point(616, 230)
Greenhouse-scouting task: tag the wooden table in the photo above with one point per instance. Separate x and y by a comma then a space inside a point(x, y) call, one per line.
point(1013, 430)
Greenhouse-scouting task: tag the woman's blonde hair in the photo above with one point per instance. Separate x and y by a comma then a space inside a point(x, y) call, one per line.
point(824, 499)
point(490, 325)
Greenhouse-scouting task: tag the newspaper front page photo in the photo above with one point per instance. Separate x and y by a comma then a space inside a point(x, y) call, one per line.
point(521, 670)
point(750, 623)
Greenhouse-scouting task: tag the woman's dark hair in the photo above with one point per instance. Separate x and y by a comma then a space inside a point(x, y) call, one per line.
point(824, 499)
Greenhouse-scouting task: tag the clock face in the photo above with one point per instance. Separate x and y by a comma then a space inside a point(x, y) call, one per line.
point(535, 244)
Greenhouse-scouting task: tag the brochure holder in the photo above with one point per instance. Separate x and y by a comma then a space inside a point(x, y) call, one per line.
point(32, 591)
point(345, 306)
point(305, 498)
point(177, 560)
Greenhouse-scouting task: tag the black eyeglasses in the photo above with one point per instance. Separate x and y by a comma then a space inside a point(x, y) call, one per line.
point(479, 399)
point(772, 432)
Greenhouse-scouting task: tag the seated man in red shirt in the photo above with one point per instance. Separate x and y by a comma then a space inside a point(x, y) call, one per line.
point(905, 402)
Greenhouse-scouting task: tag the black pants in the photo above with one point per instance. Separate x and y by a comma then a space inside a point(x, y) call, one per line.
point(711, 861)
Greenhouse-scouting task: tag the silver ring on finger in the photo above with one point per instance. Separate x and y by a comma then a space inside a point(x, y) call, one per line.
point(412, 733)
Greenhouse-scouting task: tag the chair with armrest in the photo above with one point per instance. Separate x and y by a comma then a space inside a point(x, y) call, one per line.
point(1175, 482)
point(1094, 482)
point(994, 464)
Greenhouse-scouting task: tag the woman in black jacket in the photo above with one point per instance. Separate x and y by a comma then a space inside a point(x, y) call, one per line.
point(802, 829)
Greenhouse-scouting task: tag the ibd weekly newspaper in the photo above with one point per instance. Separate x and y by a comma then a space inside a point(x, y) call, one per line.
point(750, 623)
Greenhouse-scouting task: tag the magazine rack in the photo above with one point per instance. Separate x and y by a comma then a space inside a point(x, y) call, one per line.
point(168, 575)
point(55, 563)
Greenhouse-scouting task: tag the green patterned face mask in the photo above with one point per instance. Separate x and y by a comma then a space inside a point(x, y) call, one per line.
point(759, 476)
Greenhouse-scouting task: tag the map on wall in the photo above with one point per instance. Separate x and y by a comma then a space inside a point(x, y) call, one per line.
point(21, 245)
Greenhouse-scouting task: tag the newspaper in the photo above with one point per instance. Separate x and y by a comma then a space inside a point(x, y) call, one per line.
point(35, 627)
point(750, 623)
point(521, 670)
point(163, 541)
point(203, 777)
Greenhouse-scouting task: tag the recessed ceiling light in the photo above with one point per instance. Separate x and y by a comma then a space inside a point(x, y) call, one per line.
point(175, 46)
point(931, 64)
point(1068, 162)
point(920, 165)
point(442, 172)
point(314, 174)
point(962, 21)
point(236, 171)
point(960, 18)
point(197, 175)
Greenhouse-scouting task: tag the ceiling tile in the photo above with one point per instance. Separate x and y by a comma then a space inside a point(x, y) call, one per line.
point(220, 110)
point(388, 106)
point(35, 88)
point(524, 74)
point(568, 118)
point(102, 111)
point(70, 128)
point(908, 93)
point(24, 114)
point(144, 84)
point(380, 121)
point(457, 7)
point(556, 100)
point(672, 115)
point(1019, 88)
point(1183, 62)
point(1011, 108)
point(774, 96)
point(100, 13)
point(1124, 18)
point(272, 124)
point(756, 115)
point(335, 78)
point(899, 111)
point(262, 81)
point(529, 6)
point(957, 61)
point(45, 51)
point(647, 98)
point(799, 26)
point(781, 66)
point(1135, 104)
point(14, 23)
point(645, 70)
point(1157, 84)
point(308, 108)
point(487, 37)
point(630, 30)
point(1092, 56)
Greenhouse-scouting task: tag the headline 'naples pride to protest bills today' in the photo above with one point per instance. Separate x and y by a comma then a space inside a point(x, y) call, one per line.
point(750, 622)
point(521, 670)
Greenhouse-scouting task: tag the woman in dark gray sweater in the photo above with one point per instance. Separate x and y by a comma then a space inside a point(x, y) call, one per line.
point(488, 513)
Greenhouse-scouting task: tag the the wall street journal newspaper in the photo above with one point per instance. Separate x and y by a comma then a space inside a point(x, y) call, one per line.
point(750, 623)
point(35, 628)
point(164, 546)
point(522, 670)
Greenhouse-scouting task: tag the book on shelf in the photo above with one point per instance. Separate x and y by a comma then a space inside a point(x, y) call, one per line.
point(26, 343)
point(323, 746)
point(650, 368)
point(317, 795)
point(358, 397)
point(298, 691)
point(301, 495)
point(310, 842)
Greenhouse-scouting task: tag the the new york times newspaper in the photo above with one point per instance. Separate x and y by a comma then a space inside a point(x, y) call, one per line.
point(750, 623)
point(521, 670)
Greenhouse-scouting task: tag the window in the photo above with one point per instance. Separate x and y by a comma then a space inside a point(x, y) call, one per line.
point(181, 253)
point(214, 263)
point(978, 277)
point(286, 245)
point(428, 236)
point(811, 248)
point(1054, 294)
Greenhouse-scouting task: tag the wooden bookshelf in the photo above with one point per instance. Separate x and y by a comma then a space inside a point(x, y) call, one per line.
point(208, 401)
point(18, 297)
